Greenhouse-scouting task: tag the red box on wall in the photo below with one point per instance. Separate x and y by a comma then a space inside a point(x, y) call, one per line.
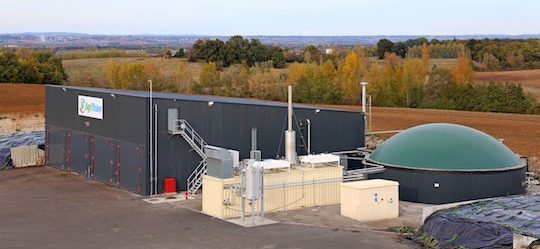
point(169, 185)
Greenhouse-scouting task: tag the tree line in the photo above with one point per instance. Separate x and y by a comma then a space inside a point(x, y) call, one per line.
point(488, 54)
point(236, 50)
point(31, 66)
point(393, 81)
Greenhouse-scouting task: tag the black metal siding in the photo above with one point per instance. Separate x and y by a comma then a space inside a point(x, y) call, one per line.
point(226, 124)
point(229, 126)
point(96, 151)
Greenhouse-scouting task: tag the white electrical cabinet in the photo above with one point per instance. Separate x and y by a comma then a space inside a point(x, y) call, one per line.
point(370, 200)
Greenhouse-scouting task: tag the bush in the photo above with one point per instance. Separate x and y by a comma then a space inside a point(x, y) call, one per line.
point(29, 66)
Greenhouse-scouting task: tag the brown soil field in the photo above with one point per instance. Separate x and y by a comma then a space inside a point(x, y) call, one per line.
point(22, 98)
point(528, 79)
point(520, 132)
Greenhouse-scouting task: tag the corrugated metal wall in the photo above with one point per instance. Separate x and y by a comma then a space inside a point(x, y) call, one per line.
point(111, 150)
point(225, 124)
point(284, 190)
point(229, 126)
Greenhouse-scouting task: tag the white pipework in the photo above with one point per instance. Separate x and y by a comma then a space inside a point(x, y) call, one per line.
point(364, 85)
point(290, 135)
point(308, 136)
point(156, 181)
point(150, 139)
point(289, 109)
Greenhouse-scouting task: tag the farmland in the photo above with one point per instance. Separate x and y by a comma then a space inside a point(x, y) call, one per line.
point(520, 132)
point(81, 71)
point(528, 79)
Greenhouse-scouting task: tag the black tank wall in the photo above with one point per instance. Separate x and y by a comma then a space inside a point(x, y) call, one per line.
point(419, 185)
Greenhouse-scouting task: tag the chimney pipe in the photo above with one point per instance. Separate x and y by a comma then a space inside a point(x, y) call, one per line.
point(253, 138)
point(364, 85)
point(290, 135)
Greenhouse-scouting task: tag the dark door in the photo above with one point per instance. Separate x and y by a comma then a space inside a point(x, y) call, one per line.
point(131, 170)
point(57, 148)
point(105, 159)
point(80, 153)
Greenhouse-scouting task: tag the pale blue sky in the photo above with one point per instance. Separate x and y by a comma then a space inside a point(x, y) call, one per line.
point(272, 17)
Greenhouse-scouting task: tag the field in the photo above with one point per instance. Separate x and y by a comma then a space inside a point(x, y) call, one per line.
point(22, 107)
point(520, 132)
point(25, 103)
point(528, 79)
point(83, 71)
point(22, 98)
point(90, 71)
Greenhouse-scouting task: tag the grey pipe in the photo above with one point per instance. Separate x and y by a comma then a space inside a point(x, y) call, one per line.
point(254, 138)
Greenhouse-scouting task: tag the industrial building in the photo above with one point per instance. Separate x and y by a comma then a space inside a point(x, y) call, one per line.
point(442, 163)
point(135, 139)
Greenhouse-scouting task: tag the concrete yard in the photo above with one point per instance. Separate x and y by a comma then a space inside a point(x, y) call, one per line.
point(47, 208)
point(410, 214)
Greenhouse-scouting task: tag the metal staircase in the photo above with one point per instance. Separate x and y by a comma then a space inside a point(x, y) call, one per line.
point(184, 129)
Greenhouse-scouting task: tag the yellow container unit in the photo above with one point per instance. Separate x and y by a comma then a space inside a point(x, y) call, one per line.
point(370, 200)
point(296, 188)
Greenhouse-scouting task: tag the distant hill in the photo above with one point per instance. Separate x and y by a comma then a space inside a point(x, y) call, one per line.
point(79, 40)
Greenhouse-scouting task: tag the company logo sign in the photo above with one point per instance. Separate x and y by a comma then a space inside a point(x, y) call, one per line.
point(90, 107)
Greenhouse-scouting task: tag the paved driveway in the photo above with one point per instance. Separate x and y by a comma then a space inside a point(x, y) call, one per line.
point(46, 208)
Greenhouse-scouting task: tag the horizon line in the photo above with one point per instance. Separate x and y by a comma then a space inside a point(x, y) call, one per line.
point(271, 35)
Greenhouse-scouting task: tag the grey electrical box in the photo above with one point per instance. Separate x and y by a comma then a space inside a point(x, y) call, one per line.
point(220, 162)
point(253, 180)
point(172, 120)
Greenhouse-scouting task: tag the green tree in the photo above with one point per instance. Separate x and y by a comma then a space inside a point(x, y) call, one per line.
point(384, 46)
point(277, 57)
point(311, 54)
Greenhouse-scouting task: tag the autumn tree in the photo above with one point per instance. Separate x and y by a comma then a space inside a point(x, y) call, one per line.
point(295, 71)
point(425, 57)
point(183, 80)
point(350, 76)
point(208, 78)
point(462, 72)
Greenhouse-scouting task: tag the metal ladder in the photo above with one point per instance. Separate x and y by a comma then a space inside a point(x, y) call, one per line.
point(194, 181)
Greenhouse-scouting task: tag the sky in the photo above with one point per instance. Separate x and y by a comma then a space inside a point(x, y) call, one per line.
point(272, 17)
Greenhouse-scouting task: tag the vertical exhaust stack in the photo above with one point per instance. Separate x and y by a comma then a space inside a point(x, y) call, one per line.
point(364, 96)
point(290, 135)
point(364, 85)
point(254, 153)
